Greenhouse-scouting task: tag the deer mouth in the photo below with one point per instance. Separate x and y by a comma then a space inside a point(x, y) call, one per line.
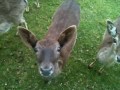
point(46, 72)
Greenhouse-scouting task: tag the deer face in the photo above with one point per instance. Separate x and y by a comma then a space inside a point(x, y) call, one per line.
point(48, 57)
point(50, 52)
point(114, 33)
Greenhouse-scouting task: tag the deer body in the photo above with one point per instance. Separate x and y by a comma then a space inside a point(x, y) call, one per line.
point(66, 15)
point(109, 51)
point(110, 47)
point(54, 49)
point(11, 12)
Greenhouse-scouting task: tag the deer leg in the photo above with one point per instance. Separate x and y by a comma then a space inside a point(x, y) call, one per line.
point(37, 4)
point(25, 24)
point(101, 70)
point(22, 23)
point(91, 64)
point(27, 9)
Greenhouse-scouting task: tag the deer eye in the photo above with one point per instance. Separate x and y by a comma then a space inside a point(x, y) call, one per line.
point(58, 49)
point(114, 41)
point(35, 49)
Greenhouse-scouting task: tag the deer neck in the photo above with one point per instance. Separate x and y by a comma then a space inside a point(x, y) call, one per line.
point(112, 49)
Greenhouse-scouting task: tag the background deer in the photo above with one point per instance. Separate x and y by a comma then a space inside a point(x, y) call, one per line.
point(109, 52)
point(54, 49)
point(11, 12)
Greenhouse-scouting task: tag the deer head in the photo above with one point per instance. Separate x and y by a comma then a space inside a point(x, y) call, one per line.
point(51, 53)
point(113, 31)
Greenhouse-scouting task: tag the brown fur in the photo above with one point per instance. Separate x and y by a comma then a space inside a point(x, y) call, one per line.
point(61, 34)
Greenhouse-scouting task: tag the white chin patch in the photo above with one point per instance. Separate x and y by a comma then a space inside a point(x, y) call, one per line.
point(50, 74)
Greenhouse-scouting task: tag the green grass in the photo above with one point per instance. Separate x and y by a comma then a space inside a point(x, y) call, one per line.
point(17, 63)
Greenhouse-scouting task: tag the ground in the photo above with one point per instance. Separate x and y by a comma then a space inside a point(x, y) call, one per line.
point(18, 70)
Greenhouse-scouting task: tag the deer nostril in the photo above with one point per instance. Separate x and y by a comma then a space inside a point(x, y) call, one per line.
point(46, 71)
point(118, 59)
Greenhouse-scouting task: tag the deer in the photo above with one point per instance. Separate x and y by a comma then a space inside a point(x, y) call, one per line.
point(36, 3)
point(109, 52)
point(11, 12)
point(53, 50)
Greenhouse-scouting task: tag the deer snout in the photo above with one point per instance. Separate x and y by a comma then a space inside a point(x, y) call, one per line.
point(46, 71)
point(118, 59)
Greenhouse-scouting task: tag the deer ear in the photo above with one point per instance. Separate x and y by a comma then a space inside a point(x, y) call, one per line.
point(111, 28)
point(27, 37)
point(67, 40)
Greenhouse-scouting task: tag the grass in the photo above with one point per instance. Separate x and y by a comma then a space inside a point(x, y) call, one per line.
point(17, 63)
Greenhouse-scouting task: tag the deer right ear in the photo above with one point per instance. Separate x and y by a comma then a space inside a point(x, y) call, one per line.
point(111, 28)
point(27, 37)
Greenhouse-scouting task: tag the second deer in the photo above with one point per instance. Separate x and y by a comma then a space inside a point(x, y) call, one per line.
point(109, 52)
point(11, 12)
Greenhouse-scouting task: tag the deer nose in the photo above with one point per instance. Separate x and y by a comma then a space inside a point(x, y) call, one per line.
point(118, 59)
point(46, 71)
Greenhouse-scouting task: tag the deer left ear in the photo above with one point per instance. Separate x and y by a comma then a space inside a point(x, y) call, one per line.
point(67, 40)
point(27, 37)
point(111, 28)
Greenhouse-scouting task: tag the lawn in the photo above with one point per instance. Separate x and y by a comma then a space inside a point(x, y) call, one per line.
point(18, 70)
